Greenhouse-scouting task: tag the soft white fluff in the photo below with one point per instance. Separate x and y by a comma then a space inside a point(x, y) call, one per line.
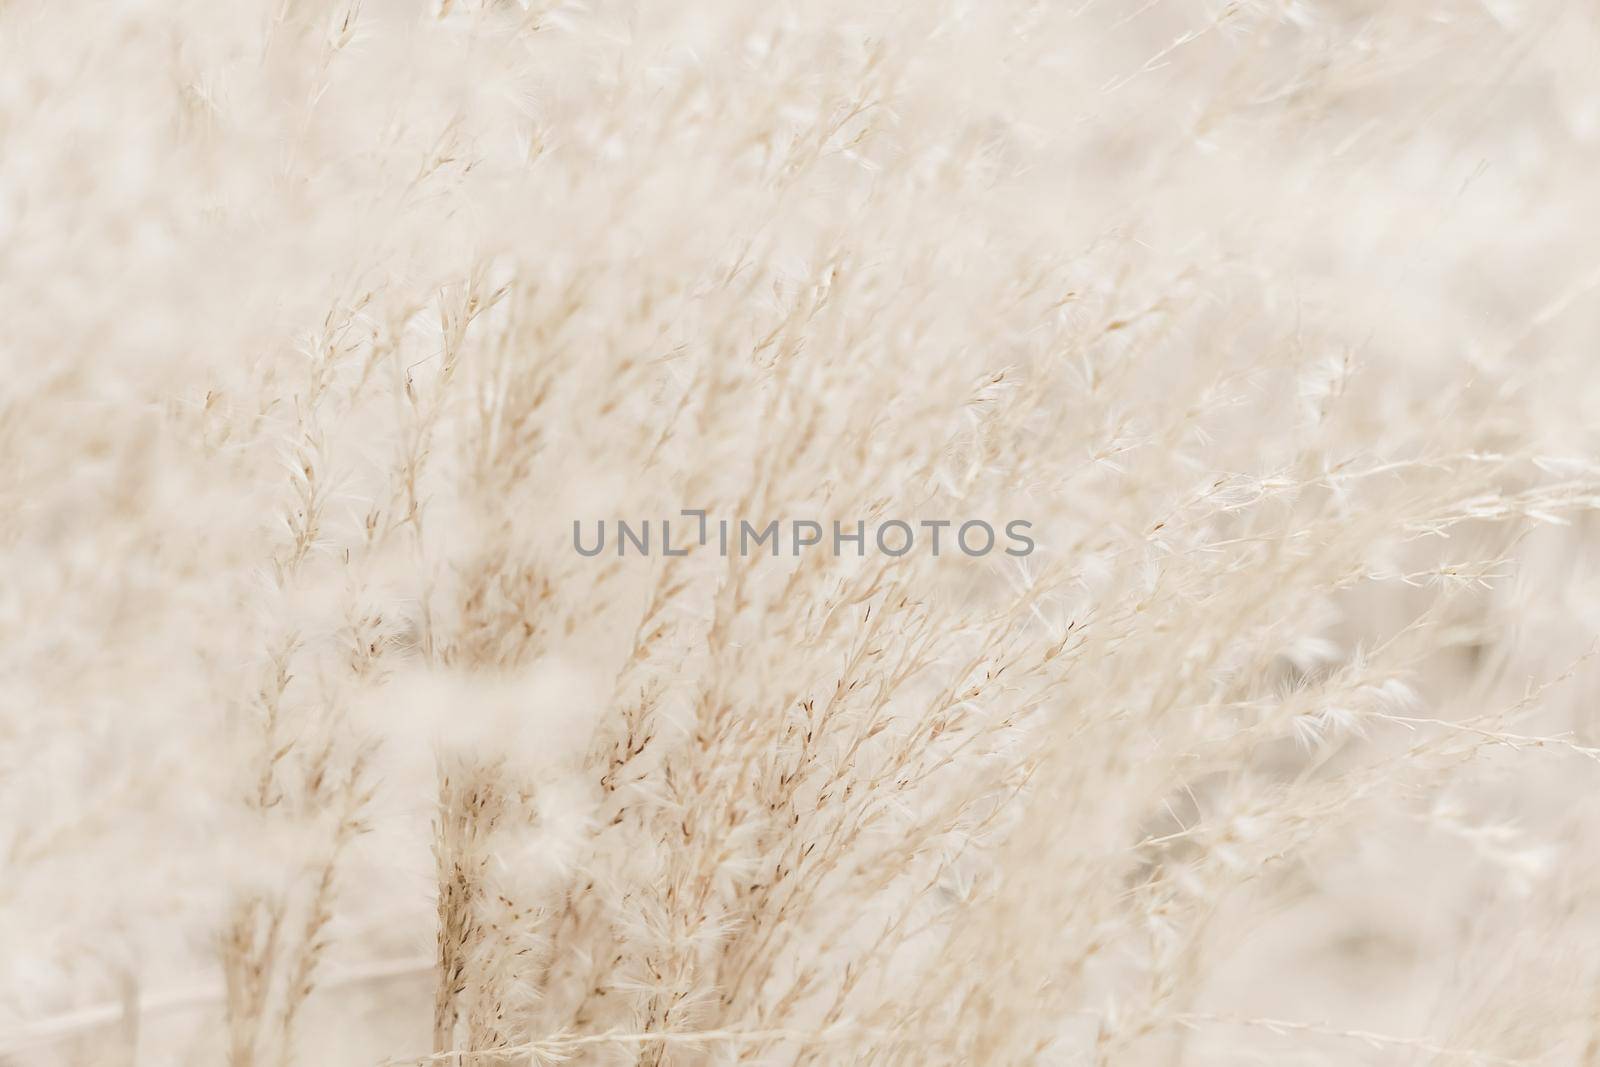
point(323, 322)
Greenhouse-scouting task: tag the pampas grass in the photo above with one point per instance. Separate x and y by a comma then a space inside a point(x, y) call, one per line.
point(325, 322)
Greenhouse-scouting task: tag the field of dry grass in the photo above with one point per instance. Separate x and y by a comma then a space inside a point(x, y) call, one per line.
point(324, 322)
